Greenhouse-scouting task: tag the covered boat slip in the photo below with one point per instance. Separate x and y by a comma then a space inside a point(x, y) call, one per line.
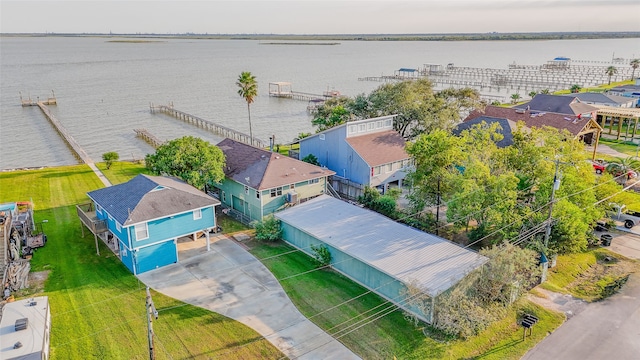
point(378, 253)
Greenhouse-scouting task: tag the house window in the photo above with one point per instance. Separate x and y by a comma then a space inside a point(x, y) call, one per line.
point(118, 227)
point(246, 189)
point(257, 194)
point(371, 125)
point(376, 170)
point(362, 128)
point(321, 136)
point(276, 191)
point(390, 167)
point(378, 124)
point(123, 252)
point(142, 231)
point(387, 122)
point(314, 181)
point(292, 186)
point(197, 214)
point(224, 197)
point(98, 208)
point(353, 129)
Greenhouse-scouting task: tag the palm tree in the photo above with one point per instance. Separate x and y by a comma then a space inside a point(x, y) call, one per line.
point(533, 93)
point(635, 63)
point(611, 70)
point(545, 91)
point(621, 166)
point(248, 89)
point(575, 88)
point(514, 98)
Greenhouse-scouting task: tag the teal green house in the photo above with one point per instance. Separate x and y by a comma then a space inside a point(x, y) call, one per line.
point(259, 182)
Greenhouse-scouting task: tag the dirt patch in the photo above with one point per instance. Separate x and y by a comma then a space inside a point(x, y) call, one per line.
point(604, 278)
point(36, 282)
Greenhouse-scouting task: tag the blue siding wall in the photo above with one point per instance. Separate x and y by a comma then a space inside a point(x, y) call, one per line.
point(368, 276)
point(170, 228)
point(155, 256)
point(126, 256)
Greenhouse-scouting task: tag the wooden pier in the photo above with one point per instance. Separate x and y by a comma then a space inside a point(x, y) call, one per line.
point(148, 137)
point(209, 126)
point(554, 75)
point(76, 149)
point(283, 90)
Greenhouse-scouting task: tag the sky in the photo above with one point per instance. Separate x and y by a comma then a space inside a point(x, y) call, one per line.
point(317, 17)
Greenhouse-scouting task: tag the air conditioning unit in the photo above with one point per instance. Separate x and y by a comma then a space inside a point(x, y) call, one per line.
point(292, 197)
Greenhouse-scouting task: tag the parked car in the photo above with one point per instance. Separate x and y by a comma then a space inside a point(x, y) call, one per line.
point(601, 166)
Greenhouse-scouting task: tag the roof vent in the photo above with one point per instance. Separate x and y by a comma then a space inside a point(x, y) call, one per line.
point(17, 345)
point(21, 324)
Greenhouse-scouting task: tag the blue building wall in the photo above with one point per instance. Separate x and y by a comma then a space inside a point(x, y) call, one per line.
point(360, 272)
point(126, 256)
point(155, 256)
point(172, 227)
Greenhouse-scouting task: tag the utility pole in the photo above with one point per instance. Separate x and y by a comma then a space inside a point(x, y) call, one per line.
point(438, 208)
point(151, 310)
point(547, 233)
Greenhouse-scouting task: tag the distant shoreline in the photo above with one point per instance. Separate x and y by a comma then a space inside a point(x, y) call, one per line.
point(356, 37)
point(300, 43)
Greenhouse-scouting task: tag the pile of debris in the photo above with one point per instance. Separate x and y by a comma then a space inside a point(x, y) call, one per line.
point(18, 275)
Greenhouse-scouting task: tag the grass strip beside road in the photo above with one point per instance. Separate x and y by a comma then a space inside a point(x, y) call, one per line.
point(97, 305)
point(391, 335)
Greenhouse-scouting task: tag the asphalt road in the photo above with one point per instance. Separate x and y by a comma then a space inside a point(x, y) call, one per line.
point(609, 329)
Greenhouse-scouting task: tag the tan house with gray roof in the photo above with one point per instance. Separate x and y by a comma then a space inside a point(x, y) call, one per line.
point(259, 182)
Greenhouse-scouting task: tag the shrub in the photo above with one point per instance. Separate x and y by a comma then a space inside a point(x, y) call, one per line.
point(321, 255)
point(110, 157)
point(268, 229)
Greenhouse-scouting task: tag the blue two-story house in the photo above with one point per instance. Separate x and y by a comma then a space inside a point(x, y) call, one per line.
point(148, 214)
point(363, 153)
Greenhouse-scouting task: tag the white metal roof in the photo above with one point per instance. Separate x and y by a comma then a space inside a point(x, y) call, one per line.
point(393, 248)
point(32, 338)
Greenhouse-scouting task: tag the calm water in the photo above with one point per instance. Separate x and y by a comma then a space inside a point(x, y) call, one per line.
point(104, 88)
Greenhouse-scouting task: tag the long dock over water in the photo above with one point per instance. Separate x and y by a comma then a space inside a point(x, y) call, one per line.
point(283, 90)
point(208, 125)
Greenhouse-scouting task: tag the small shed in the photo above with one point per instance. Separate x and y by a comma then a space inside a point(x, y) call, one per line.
point(25, 328)
point(378, 253)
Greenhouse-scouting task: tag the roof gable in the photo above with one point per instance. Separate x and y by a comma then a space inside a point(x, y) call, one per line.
point(262, 169)
point(145, 198)
point(380, 147)
point(556, 104)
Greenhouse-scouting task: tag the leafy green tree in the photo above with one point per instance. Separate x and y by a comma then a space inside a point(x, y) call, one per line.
point(302, 135)
point(635, 63)
point(268, 229)
point(575, 88)
point(192, 159)
point(435, 155)
point(338, 115)
point(311, 159)
point(109, 158)
point(248, 89)
point(610, 71)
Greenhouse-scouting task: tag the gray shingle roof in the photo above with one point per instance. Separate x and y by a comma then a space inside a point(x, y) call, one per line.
point(398, 250)
point(506, 128)
point(556, 104)
point(145, 197)
point(600, 98)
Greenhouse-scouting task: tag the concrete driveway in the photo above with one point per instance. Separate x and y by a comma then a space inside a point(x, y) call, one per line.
point(232, 282)
point(608, 329)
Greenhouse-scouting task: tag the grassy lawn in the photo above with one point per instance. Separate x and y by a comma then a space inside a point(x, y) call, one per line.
point(620, 146)
point(122, 171)
point(97, 306)
point(592, 275)
point(316, 293)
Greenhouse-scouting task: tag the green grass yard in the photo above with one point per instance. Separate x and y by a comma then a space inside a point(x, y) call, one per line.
point(316, 293)
point(97, 306)
point(122, 171)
